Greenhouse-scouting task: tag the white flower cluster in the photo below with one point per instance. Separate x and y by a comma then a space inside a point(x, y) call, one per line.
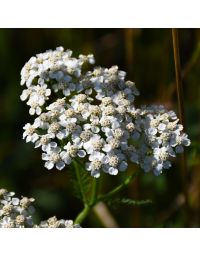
point(91, 116)
point(53, 222)
point(160, 137)
point(17, 213)
point(57, 68)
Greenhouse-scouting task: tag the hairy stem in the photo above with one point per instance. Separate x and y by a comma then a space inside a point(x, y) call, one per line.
point(94, 200)
point(88, 206)
point(77, 169)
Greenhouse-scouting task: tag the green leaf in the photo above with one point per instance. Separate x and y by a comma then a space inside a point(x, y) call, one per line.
point(130, 202)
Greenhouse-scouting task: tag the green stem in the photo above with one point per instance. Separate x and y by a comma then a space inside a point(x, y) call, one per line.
point(94, 200)
point(83, 195)
point(118, 188)
point(82, 215)
point(94, 192)
point(87, 207)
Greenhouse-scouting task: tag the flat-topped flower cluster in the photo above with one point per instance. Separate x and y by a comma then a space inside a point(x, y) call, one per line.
point(18, 213)
point(91, 116)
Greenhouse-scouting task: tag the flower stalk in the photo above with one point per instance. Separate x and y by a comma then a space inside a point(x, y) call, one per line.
point(94, 199)
point(77, 171)
point(82, 215)
point(179, 87)
point(119, 188)
point(180, 97)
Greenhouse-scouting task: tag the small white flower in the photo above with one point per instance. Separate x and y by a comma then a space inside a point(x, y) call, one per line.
point(94, 144)
point(53, 157)
point(25, 94)
point(152, 131)
point(161, 127)
point(44, 141)
point(29, 133)
point(97, 159)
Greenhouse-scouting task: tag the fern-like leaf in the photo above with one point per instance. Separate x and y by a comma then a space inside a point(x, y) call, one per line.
point(127, 201)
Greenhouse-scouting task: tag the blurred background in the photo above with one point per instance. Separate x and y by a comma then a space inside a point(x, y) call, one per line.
point(147, 57)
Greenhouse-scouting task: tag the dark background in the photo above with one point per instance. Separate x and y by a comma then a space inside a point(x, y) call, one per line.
point(147, 57)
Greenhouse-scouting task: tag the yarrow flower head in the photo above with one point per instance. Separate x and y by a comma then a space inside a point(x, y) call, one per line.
point(53, 222)
point(18, 213)
point(15, 212)
point(91, 115)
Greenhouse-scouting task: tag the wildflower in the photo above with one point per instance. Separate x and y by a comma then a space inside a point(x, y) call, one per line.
point(18, 213)
point(53, 157)
point(30, 133)
point(90, 115)
point(14, 212)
